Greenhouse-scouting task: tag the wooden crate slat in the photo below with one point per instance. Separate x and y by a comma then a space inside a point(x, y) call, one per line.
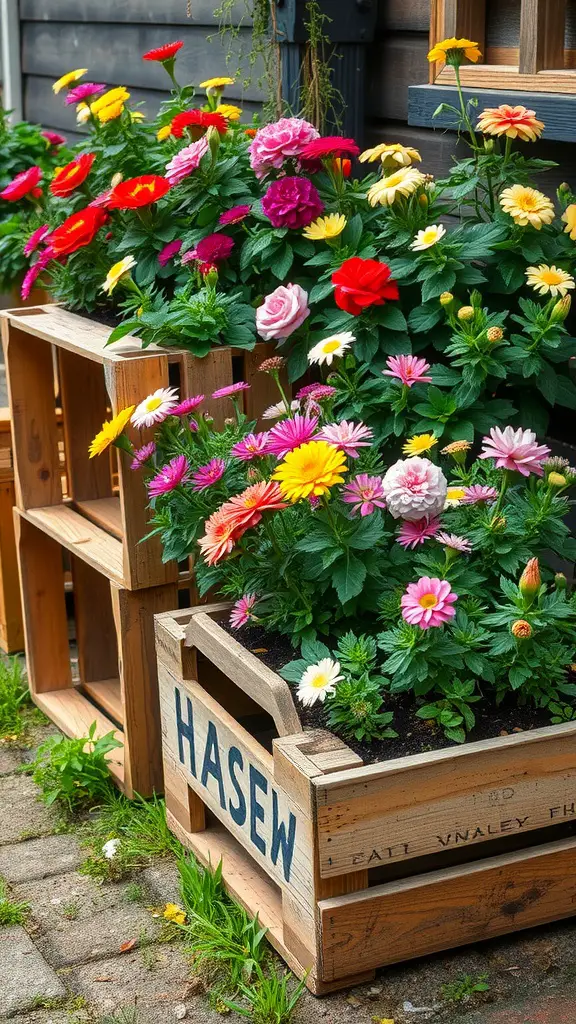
point(74, 715)
point(104, 512)
point(542, 27)
point(95, 627)
point(81, 537)
point(11, 625)
point(107, 695)
point(84, 409)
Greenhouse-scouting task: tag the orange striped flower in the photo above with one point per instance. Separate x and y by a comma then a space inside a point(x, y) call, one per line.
point(513, 122)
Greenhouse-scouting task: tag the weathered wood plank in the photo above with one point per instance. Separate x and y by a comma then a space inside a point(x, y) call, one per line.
point(162, 12)
point(11, 626)
point(392, 66)
point(486, 76)
point(541, 35)
point(404, 16)
point(442, 909)
point(81, 537)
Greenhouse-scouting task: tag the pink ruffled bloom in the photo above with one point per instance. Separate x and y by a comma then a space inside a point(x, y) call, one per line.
point(413, 534)
point(364, 493)
point(452, 540)
point(30, 277)
point(517, 450)
point(141, 455)
point(171, 476)
point(81, 92)
point(251, 447)
point(290, 434)
point(292, 203)
point(242, 611)
point(212, 250)
point(429, 602)
point(187, 405)
point(275, 143)
point(54, 138)
point(209, 474)
point(231, 389)
point(409, 369)
point(35, 238)
point(24, 183)
point(186, 161)
point(316, 392)
point(282, 312)
point(477, 493)
point(414, 488)
point(234, 216)
point(348, 436)
point(169, 252)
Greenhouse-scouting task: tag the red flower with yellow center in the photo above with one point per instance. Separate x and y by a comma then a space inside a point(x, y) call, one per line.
point(513, 122)
point(163, 53)
point(72, 175)
point(77, 231)
point(198, 121)
point(136, 192)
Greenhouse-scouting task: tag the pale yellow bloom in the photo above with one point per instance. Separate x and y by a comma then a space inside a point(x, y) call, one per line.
point(216, 83)
point(82, 113)
point(164, 132)
point(229, 111)
point(419, 443)
point(454, 51)
point(454, 495)
point(569, 218)
point(465, 313)
point(326, 227)
point(110, 432)
point(72, 76)
point(549, 280)
point(391, 154)
point(428, 237)
point(117, 272)
point(527, 206)
point(172, 912)
point(402, 183)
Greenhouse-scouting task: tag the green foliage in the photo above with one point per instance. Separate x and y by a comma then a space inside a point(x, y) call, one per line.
point(452, 711)
point(271, 1000)
point(11, 911)
point(14, 696)
point(465, 988)
point(141, 827)
point(74, 772)
point(354, 711)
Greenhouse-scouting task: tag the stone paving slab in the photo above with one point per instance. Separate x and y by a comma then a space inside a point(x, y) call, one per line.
point(10, 759)
point(49, 1017)
point(550, 1009)
point(76, 942)
point(22, 813)
point(162, 880)
point(39, 858)
point(61, 899)
point(114, 983)
point(28, 976)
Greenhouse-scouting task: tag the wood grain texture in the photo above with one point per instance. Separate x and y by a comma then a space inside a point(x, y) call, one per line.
point(443, 909)
point(84, 410)
point(11, 624)
point(95, 629)
point(204, 376)
point(81, 538)
point(485, 76)
point(105, 512)
point(263, 389)
point(557, 111)
point(542, 25)
point(398, 62)
point(107, 696)
point(164, 12)
point(403, 16)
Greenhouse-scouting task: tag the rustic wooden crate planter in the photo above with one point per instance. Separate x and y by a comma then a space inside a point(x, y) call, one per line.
point(354, 867)
point(11, 629)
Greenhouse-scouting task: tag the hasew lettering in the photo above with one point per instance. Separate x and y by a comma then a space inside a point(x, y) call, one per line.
point(241, 787)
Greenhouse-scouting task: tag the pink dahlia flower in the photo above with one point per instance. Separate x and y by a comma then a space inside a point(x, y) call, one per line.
point(292, 203)
point(186, 161)
point(452, 540)
point(477, 493)
point(275, 143)
point(290, 434)
point(413, 534)
point(187, 405)
point(231, 389)
point(42, 262)
point(414, 488)
point(209, 474)
point(171, 476)
point(409, 369)
point(429, 602)
point(234, 216)
point(250, 447)
point(35, 238)
point(169, 252)
point(364, 493)
point(316, 392)
point(242, 611)
point(282, 312)
point(515, 449)
point(348, 436)
point(81, 92)
point(141, 455)
point(54, 138)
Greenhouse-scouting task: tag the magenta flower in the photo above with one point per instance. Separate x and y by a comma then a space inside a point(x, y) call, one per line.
point(186, 161)
point(141, 455)
point(231, 389)
point(81, 92)
point(428, 602)
point(316, 392)
point(193, 424)
point(171, 476)
point(364, 493)
point(35, 238)
point(290, 434)
point(413, 534)
point(234, 216)
point(515, 449)
point(187, 405)
point(251, 447)
point(292, 203)
point(209, 474)
point(477, 493)
point(409, 369)
point(452, 540)
point(169, 252)
point(54, 138)
point(283, 140)
point(213, 249)
point(30, 277)
point(348, 436)
point(242, 611)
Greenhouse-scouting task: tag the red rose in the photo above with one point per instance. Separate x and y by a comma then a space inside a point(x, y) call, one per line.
point(363, 283)
point(198, 121)
point(163, 53)
point(136, 192)
point(77, 231)
point(72, 175)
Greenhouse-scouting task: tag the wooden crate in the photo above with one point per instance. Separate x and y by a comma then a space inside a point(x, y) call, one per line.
point(354, 867)
point(96, 381)
point(11, 628)
point(116, 681)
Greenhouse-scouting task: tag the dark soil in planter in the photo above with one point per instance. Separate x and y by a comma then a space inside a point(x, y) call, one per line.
point(104, 317)
point(415, 736)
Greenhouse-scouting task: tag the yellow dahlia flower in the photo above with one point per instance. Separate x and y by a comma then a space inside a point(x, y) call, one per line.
point(326, 227)
point(72, 76)
point(513, 122)
point(111, 112)
point(391, 154)
point(229, 111)
point(117, 272)
point(569, 218)
point(216, 83)
point(549, 280)
point(454, 51)
point(428, 237)
point(164, 132)
point(419, 443)
point(110, 432)
point(527, 206)
point(311, 469)
point(402, 183)
point(116, 95)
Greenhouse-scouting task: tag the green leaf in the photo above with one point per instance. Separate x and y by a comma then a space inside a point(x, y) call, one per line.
point(282, 262)
point(424, 317)
point(348, 577)
point(438, 283)
point(392, 317)
point(314, 650)
point(368, 533)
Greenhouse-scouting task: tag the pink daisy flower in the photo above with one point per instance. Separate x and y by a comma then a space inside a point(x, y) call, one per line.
point(169, 252)
point(187, 405)
point(230, 389)
point(515, 449)
point(81, 92)
point(413, 533)
point(171, 476)
point(316, 392)
point(242, 611)
point(477, 493)
point(209, 474)
point(364, 493)
point(452, 540)
point(141, 455)
point(409, 369)
point(251, 447)
point(234, 216)
point(348, 436)
point(428, 602)
point(290, 434)
point(35, 238)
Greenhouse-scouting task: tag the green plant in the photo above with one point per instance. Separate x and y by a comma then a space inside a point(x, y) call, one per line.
point(11, 911)
point(452, 711)
point(462, 990)
point(134, 893)
point(74, 772)
point(271, 999)
point(126, 1015)
point(354, 711)
point(71, 910)
point(14, 696)
point(561, 713)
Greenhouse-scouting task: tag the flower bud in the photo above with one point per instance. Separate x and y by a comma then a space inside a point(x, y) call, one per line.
point(423, 202)
point(557, 480)
point(343, 166)
point(116, 179)
point(446, 298)
point(140, 310)
point(208, 418)
point(494, 334)
point(272, 365)
point(213, 136)
point(499, 523)
point(229, 421)
point(530, 580)
point(488, 145)
point(466, 313)
point(521, 629)
point(563, 187)
point(560, 310)
point(560, 581)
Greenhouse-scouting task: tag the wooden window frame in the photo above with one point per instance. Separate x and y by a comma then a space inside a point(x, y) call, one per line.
point(540, 64)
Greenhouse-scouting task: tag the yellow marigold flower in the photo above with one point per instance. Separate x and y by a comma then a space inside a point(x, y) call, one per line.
point(446, 298)
point(419, 443)
point(557, 480)
point(72, 76)
point(110, 432)
point(402, 183)
point(494, 334)
point(569, 218)
point(117, 272)
point(428, 237)
point(326, 227)
point(164, 132)
point(521, 629)
point(465, 313)
point(111, 112)
point(172, 912)
point(549, 280)
point(82, 113)
point(229, 111)
point(455, 447)
point(513, 122)
point(313, 468)
point(453, 51)
point(527, 206)
point(454, 495)
point(391, 154)
point(216, 83)
point(117, 95)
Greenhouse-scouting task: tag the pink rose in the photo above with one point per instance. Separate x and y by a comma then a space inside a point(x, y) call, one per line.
point(282, 312)
point(275, 143)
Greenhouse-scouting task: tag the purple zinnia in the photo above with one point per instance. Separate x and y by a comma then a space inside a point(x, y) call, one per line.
point(212, 249)
point(477, 493)
point(290, 434)
point(234, 216)
point(365, 493)
point(292, 203)
point(251, 446)
point(169, 251)
point(81, 92)
point(230, 389)
point(316, 392)
point(187, 405)
point(141, 455)
point(171, 476)
point(209, 474)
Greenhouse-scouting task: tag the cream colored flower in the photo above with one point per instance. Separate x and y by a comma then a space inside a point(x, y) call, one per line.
point(323, 228)
point(402, 183)
point(428, 237)
point(454, 496)
point(527, 206)
point(391, 154)
point(117, 272)
point(82, 113)
point(331, 348)
point(549, 280)
point(569, 218)
point(155, 408)
point(318, 681)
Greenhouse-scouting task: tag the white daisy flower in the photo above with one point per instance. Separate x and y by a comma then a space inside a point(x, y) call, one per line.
point(428, 237)
point(273, 412)
point(318, 681)
point(330, 348)
point(155, 408)
point(110, 849)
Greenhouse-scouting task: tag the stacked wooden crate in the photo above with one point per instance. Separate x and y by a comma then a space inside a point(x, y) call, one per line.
point(119, 583)
point(11, 628)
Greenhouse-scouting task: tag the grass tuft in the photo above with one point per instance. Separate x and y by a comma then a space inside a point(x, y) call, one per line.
point(11, 911)
point(14, 697)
